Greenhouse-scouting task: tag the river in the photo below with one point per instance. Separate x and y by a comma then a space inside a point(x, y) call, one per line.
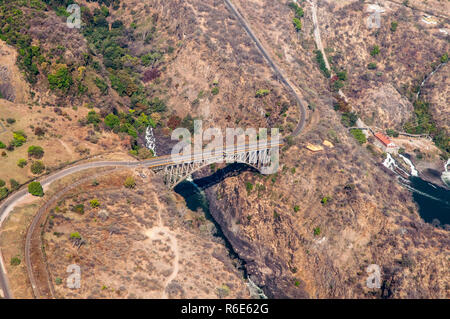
point(433, 200)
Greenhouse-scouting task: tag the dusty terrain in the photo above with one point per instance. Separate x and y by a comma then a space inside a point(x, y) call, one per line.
point(309, 231)
point(140, 243)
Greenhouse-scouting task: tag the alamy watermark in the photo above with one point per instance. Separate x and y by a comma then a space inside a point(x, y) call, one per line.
point(374, 278)
point(74, 279)
point(225, 147)
point(374, 19)
point(74, 20)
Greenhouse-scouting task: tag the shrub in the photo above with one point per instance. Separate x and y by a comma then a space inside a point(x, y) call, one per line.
point(60, 78)
point(37, 167)
point(322, 65)
point(215, 90)
point(75, 235)
point(392, 133)
point(19, 138)
point(35, 151)
point(2, 183)
point(94, 203)
point(394, 25)
point(249, 187)
point(262, 93)
point(296, 208)
point(35, 189)
point(297, 24)
point(15, 261)
point(349, 119)
point(103, 87)
point(79, 209)
point(93, 118)
point(112, 121)
point(38, 131)
point(10, 120)
point(372, 66)
point(58, 281)
point(14, 184)
point(2, 145)
point(325, 200)
point(22, 163)
point(317, 231)
point(444, 58)
point(130, 182)
point(359, 136)
point(3, 192)
point(342, 75)
point(375, 50)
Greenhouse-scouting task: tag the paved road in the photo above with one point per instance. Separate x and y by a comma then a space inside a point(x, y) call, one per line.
point(272, 64)
point(7, 206)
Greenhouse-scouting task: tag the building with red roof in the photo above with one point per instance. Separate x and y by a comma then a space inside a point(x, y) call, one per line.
point(385, 143)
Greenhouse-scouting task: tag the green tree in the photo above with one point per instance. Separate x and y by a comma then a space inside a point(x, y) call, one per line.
point(130, 182)
point(60, 78)
point(35, 189)
point(2, 145)
point(15, 261)
point(35, 151)
point(22, 163)
point(14, 184)
point(359, 136)
point(394, 25)
point(37, 167)
point(2, 183)
point(375, 50)
point(3, 192)
point(317, 231)
point(94, 203)
point(112, 121)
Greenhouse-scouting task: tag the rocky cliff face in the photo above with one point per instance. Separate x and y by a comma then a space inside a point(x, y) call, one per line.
point(312, 229)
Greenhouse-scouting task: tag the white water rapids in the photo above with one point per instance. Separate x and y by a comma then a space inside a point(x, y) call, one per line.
point(150, 141)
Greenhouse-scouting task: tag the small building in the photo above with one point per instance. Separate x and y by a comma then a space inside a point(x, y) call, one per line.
point(385, 143)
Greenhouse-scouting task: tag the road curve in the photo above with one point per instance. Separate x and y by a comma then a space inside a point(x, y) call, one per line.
point(7, 206)
point(272, 64)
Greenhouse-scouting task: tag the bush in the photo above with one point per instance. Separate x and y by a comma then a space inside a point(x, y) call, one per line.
point(60, 78)
point(112, 121)
point(93, 118)
point(15, 261)
point(14, 184)
point(79, 209)
point(392, 133)
point(3, 192)
point(444, 58)
point(372, 66)
point(297, 24)
point(19, 138)
point(22, 163)
point(359, 136)
point(35, 189)
point(317, 231)
point(323, 67)
point(35, 151)
point(2, 145)
point(325, 200)
point(375, 50)
point(215, 90)
point(394, 25)
point(296, 208)
point(2, 183)
point(37, 167)
point(75, 235)
point(130, 182)
point(249, 187)
point(10, 120)
point(349, 119)
point(262, 93)
point(94, 203)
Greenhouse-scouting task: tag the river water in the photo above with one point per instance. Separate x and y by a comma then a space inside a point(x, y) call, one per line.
point(433, 200)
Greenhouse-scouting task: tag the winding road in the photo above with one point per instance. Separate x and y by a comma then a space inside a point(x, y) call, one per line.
point(8, 205)
point(273, 65)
